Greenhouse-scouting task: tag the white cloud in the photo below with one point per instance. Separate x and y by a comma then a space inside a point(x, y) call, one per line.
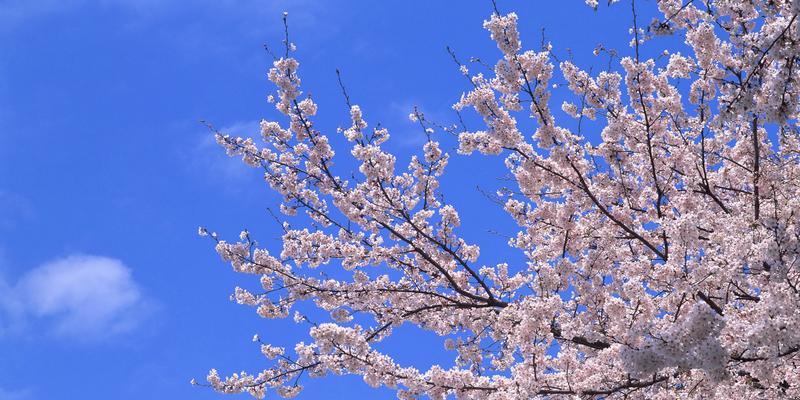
point(80, 296)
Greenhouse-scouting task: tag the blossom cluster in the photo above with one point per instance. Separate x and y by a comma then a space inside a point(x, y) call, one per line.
point(662, 255)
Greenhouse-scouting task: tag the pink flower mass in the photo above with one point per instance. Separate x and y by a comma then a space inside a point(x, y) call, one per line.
point(662, 254)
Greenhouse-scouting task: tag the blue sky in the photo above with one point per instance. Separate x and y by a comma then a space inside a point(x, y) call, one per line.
point(106, 291)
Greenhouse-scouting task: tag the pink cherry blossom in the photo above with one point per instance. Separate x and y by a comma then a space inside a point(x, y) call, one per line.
point(662, 255)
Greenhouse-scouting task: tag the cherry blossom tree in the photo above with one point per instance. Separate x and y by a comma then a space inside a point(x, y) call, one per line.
point(662, 251)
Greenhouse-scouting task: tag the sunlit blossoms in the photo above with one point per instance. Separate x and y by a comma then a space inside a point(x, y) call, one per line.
point(661, 242)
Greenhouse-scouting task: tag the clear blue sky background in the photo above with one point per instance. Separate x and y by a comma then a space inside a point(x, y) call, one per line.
point(102, 155)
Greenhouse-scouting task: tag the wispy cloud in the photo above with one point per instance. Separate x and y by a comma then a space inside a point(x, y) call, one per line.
point(409, 134)
point(17, 11)
point(13, 13)
point(208, 156)
point(22, 394)
point(80, 296)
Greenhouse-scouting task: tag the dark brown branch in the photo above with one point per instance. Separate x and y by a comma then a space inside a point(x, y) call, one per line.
point(756, 169)
point(710, 302)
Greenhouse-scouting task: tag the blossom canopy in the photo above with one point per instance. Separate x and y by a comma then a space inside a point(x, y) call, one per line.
point(661, 254)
